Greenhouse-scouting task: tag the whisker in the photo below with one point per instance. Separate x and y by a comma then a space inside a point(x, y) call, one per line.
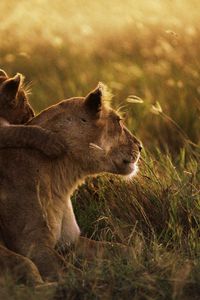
point(27, 87)
point(95, 146)
point(119, 109)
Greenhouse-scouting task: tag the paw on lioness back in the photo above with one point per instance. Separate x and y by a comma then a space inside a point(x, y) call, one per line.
point(15, 110)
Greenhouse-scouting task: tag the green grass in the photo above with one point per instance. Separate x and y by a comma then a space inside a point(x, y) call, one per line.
point(147, 51)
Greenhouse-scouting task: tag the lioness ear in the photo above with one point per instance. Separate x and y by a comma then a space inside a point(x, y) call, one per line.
point(94, 100)
point(3, 73)
point(11, 86)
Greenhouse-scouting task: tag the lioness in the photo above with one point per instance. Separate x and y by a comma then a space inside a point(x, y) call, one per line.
point(36, 213)
point(15, 109)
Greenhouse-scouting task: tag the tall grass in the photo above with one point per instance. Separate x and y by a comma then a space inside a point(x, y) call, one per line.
point(147, 53)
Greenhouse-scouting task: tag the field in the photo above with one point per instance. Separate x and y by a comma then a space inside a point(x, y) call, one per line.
point(147, 52)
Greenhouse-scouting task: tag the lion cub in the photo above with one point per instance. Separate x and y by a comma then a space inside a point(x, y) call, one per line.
point(15, 110)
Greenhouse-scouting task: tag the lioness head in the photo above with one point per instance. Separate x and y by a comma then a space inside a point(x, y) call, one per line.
point(14, 105)
point(96, 138)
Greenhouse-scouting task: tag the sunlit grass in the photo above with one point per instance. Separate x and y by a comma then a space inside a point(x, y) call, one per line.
point(147, 52)
point(146, 49)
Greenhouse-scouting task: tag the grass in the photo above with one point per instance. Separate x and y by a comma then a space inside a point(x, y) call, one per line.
point(141, 49)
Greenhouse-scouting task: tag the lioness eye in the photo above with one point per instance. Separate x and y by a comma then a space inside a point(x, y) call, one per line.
point(83, 120)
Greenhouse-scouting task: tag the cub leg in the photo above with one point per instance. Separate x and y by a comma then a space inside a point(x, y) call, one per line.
point(50, 264)
point(70, 231)
point(91, 249)
point(20, 136)
point(20, 268)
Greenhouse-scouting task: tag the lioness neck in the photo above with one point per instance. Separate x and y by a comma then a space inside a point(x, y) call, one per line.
point(67, 175)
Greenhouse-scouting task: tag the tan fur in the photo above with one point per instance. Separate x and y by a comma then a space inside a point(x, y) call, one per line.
point(16, 109)
point(36, 214)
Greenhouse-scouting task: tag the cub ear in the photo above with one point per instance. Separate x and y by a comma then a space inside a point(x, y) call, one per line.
point(94, 99)
point(3, 73)
point(11, 86)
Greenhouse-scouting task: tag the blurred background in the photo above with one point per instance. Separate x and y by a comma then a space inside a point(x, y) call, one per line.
point(146, 51)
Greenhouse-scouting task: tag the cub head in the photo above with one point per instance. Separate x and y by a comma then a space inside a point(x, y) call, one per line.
point(14, 105)
point(96, 138)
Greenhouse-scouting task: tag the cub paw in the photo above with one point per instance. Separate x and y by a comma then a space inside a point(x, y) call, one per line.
point(54, 146)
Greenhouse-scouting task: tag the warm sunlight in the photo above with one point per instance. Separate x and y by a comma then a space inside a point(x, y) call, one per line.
point(139, 218)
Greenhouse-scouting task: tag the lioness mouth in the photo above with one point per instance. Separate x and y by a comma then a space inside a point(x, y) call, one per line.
point(127, 161)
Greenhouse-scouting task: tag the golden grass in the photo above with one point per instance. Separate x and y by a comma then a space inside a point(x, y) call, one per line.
point(147, 52)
